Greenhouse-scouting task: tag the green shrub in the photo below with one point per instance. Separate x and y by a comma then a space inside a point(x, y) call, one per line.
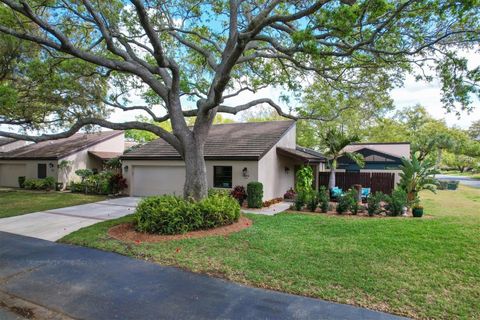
point(40, 184)
point(396, 202)
point(48, 183)
point(304, 178)
point(33, 184)
point(218, 210)
point(299, 201)
point(323, 198)
point(373, 202)
point(255, 194)
point(167, 215)
point(21, 182)
point(355, 206)
point(442, 184)
point(77, 187)
point(345, 203)
point(312, 200)
point(84, 173)
point(222, 192)
point(173, 215)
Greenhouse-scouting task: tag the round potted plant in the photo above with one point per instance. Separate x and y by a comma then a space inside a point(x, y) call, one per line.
point(417, 211)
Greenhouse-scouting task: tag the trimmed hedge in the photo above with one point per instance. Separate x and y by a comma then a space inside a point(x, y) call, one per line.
point(21, 182)
point(254, 194)
point(218, 211)
point(173, 215)
point(167, 215)
point(40, 184)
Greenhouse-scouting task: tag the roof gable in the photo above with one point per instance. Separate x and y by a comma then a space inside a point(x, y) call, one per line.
point(398, 149)
point(56, 149)
point(371, 155)
point(235, 141)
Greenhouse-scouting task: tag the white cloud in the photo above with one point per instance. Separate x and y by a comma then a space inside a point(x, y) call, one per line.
point(429, 96)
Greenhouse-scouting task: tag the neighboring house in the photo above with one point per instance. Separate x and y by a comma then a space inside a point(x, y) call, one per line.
point(41, 159)
point(235, 154)
point(8, 144)
point(379, 157)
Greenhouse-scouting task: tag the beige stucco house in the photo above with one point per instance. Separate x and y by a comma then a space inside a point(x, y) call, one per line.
point(235, 154)
point(40, 160)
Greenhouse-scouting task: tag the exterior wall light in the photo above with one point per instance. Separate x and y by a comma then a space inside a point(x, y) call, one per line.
point(245, 173)
point(125, 169)
point(287, 170)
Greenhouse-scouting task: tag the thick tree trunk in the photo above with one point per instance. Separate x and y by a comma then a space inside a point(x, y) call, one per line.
point(196, 186)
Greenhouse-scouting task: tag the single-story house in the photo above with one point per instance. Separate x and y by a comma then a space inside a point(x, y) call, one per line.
point(41, 160)
point(379, 157)
point(8, 144)
point(235, 154)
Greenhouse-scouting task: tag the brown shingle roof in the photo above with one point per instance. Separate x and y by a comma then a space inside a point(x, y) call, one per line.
point(4, 141)
point(234, 141)
point(56, 149)
point(105, 155)
point(300, 153)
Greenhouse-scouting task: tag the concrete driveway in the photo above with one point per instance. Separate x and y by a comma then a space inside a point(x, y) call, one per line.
point(54, 224)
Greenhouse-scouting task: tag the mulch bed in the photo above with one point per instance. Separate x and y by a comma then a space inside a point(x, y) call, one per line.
point(126, 232)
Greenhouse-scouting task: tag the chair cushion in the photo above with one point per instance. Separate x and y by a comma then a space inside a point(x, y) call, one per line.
point(366, 191)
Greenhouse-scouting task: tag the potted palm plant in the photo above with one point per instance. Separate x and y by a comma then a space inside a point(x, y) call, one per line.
point(416, 176)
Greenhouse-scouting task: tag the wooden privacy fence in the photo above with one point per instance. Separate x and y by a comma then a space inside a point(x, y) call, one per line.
point(378, 181)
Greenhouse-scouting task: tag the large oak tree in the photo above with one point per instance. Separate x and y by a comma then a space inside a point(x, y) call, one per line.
point(190, 58)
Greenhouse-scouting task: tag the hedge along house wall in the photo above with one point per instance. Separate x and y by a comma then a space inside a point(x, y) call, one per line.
point(10, 170)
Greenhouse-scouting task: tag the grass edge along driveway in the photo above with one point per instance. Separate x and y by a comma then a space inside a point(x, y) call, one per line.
point(15, 202)
point(422, 268)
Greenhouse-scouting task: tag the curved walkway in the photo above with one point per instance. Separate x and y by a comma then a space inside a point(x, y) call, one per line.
point(84, 283)
point(270, 211)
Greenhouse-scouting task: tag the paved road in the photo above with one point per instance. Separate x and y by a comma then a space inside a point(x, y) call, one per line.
point(55, 224)
point(465, 180)
point(91, 284)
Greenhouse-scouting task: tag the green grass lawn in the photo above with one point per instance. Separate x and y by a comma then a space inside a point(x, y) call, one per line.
point(422, 268)
point(14, 202)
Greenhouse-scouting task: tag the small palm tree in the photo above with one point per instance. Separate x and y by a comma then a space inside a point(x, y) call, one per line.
point(416, 176)
point(335, 142)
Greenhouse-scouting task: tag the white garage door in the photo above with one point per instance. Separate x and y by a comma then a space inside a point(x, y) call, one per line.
point(9, 174)
point(157, 180)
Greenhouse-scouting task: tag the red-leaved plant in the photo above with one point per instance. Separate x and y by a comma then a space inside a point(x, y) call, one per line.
point(239, 193)
point(290, 194)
